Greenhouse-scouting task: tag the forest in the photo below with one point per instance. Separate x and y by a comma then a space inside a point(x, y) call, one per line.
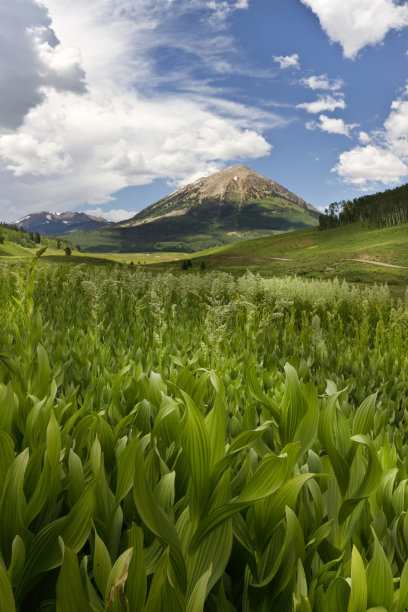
point(382, 209)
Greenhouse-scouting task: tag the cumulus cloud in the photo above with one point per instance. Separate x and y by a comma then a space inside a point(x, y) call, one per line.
point(364, 138)
point(370, 164)
point(322, 81)
point(287, 61)
point(31, 57)
point(323, 103)
point(115, 215)
point(81, 141)
point(384, 159)
point(357, 23)
point(84, 148)
point(331, 125)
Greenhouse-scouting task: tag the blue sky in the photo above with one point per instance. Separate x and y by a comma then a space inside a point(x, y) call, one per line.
point(108, 105)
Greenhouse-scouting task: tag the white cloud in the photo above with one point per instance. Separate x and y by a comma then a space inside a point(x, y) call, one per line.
point(323, 103)
point(31, 57)
point(384, 159)
point(322, 81)
point(122, 126)
point(115, 215)
point(370, 165)
point(364, 138)
point(221, 8)
point(357, 23)
point(86, 148)
point(287, 61)
point(331, 125)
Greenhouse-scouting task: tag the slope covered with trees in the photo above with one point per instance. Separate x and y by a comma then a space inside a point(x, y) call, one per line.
point(19, 236)
point(382, 209)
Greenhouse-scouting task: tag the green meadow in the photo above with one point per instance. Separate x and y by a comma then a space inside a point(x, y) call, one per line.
point(175, 442)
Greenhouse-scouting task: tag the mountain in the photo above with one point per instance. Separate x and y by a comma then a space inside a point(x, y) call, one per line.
point(227, 206)
point(60, 223)
point(238, 185)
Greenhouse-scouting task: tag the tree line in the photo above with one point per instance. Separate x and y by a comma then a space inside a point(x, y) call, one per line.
point(26, 238)
point(382, 209)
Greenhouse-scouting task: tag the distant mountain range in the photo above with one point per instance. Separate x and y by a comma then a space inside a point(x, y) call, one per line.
point(230, 205)
point(60, 223)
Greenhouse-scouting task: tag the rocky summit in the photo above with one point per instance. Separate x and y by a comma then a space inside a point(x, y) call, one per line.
point(238, 185)
point(233, 204)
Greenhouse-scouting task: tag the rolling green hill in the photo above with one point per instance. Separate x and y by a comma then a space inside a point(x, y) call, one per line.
point(21, 243)
point(231, 205)
point(324, 254)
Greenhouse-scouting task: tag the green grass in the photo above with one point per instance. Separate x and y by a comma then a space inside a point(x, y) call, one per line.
point(318, 254)
point(11, 249)
point(53, 255)
point(200, 443)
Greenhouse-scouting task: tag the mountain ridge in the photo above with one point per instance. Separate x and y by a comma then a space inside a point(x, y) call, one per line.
point(237, 183)
point(48, 222)
point(232, 204)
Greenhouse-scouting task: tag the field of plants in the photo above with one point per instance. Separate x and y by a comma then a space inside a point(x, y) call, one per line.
point(200, 442)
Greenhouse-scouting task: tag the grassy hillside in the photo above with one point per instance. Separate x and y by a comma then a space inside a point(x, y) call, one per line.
point(20, 243)
point(313, 253)
point(10, 249)
point(208, 225)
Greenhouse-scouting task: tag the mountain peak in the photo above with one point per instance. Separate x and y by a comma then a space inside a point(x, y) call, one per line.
point(237, 183)
point(48, 222)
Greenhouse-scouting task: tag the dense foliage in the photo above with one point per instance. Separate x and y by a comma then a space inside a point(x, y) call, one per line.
point(383, 209)
point(197, 442)
point(18, 235)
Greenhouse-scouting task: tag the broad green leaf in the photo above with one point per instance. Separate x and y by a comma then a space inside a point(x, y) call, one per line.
point(197, 447)
point(76, 477)
point(195, 602)
point(7, 603)
point(370, 482)
point(271, 511)
point(126, 470)
point(337, 596)
point(293, 407)
point(267, 479)
point(334, 439)
point(45, 552)
point(216, 423)
point(358, 595)
point(12, 505)
point(6, 456)
point(70, 594)
point(164, 492)
point(402, 603)
point(306, 431)
point(363, 421)
point(18, 556)
point(161, 594)
point(115, 586)
point(380, 587)
point(101, 565)
point(136, 584)
point(155, 519)
point(8, 407)
point(257, 392)
point(372, 476)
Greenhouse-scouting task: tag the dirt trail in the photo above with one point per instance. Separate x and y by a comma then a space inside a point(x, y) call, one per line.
point(262, 258)
point(379, 263)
